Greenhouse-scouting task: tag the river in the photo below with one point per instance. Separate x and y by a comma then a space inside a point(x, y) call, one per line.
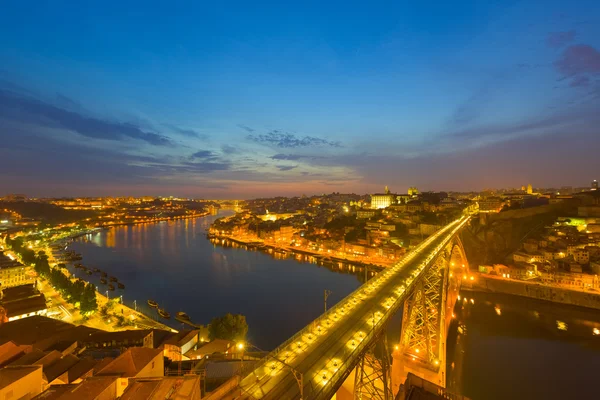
point(174, 264)
point(509, 347)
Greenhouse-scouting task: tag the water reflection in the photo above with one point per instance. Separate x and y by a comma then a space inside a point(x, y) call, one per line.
point(510, 347)
point(176, 265)
point(355, 269)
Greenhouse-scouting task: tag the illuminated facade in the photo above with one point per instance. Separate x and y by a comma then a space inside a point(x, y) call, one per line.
point(413, 191)
point(382, 200)
point(594, 184)
point(491, 204)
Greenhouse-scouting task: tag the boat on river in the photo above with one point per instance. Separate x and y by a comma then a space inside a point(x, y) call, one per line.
point(120, 285)
point(96, 270)
point(113, 279)
point(163, 313)
point(103, 281)
point(152, 304)
point(89, 272)
point(111, 287)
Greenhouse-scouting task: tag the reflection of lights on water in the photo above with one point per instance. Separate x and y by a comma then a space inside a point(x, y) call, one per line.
point(498, 310)
point(561, 325)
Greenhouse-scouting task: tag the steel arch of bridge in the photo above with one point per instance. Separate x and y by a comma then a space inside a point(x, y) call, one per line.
point(327, 350)
point(428, 312)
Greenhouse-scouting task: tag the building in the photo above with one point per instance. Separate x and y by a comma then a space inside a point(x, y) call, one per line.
point(13, 273)
point(413, 191)
point(581, 256)
point(136, 362)
point(382, 200)
point(176, 387)
point(23, 301)
point(216, 346)
point(94, 388)
point(491, 205)
point(20, 382)
point(594, 184)
point(529, 189)
point(365, 214)
point(177, 345)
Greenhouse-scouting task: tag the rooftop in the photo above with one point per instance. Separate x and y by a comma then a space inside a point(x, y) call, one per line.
point(176, 388)
point(90, 388)
point(182, 337)
point(11, 374)
point(25, 305)
point(130, 363)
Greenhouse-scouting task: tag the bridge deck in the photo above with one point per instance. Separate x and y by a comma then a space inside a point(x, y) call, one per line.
point(327, 350)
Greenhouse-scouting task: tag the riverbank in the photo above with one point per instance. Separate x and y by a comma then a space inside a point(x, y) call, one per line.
point(154, 220)
point(259, 245)
point(534, 290)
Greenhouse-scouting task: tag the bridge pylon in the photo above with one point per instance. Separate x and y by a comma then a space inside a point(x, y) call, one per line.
point(373, 379)
point(427, 316)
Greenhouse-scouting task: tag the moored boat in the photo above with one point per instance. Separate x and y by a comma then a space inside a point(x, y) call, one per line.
point(152, 304)
point(89, 272)
point(103, 281)
point(96, 270)
point(163, 313)
point(113, 279)
point(111, 287)
point(120, 285)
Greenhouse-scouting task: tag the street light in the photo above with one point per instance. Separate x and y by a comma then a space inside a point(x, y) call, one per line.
point(298, 376)
point(326, 294)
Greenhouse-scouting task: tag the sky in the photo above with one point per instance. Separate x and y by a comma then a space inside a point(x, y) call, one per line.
point(256, 99)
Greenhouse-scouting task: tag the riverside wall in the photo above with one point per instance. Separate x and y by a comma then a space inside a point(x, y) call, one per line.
point(535, 290)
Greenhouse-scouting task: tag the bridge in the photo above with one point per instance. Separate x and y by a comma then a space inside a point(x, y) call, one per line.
point(348, 343)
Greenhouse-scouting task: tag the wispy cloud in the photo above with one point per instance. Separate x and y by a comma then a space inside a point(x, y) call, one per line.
point(246, 128)
point(228, 149)
point(186, 132)
point(282, 139)
point(292, 157)
point(286, 167)
point(203, 154)
point(29, 110)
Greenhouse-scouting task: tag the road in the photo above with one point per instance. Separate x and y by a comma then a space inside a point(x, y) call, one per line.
point(326, 351)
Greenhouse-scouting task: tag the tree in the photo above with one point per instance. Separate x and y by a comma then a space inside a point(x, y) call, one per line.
point(229, 327)
point(88, 299)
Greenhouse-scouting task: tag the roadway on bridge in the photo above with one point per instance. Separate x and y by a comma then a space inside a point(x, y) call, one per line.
point(327, 350)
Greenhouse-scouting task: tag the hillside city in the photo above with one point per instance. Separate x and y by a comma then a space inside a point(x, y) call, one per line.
point(63, 337)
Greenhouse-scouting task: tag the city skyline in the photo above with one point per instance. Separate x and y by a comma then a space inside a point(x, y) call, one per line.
point(236, 102)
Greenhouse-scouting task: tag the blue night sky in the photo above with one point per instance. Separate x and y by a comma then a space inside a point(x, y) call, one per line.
point(248, 99)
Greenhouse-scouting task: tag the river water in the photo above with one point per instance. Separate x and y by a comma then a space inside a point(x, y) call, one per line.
point(499, 347)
